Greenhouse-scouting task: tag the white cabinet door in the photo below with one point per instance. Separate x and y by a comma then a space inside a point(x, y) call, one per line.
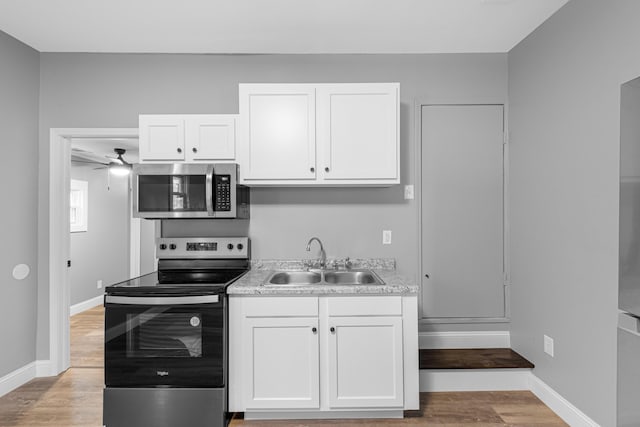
point(365, 362)
point(358, 132)
point(278, 134)
point(161, 137)
point(282, 363)
point(210, 137)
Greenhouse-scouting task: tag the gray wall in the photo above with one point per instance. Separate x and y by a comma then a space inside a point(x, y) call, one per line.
point(102, 252)
point(147, 246)
point(19, 86)
point(110, 90)
point(564, 101)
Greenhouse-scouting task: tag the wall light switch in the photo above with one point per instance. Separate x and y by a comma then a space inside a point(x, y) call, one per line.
point(99, 284)
point(408, 192)
point(386, 237)
point(548, 345)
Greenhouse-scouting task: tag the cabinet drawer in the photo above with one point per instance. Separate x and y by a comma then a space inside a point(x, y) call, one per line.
point(365, 306)
point(280, 306)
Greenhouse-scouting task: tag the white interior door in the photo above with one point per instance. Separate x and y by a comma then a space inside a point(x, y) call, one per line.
point(462, 211)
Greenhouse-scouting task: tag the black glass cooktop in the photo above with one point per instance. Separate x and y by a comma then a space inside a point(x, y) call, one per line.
point(177, 283)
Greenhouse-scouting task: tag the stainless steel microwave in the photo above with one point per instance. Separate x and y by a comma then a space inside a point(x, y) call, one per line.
point(163, 191)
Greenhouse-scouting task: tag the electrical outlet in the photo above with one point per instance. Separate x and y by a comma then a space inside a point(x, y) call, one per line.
point(99, 284)
point(408, 192)
point(386, 237)
point(548, 345)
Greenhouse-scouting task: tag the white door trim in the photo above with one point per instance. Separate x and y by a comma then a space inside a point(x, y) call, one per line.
point(59, 248)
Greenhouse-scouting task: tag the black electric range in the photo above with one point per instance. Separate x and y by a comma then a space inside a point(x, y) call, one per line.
point(166, 336)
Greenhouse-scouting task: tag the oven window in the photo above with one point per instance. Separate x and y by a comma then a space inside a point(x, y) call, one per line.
point(161, 334)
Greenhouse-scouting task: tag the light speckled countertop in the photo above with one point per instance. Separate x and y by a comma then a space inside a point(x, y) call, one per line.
point(253, 283)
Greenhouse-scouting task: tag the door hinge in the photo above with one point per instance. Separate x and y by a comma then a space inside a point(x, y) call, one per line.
point(505, 138)
point(505, 278)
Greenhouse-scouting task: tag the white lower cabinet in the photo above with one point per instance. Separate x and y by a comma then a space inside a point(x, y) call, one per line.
point(322, 353)
point(365, 362)
point(281, 362)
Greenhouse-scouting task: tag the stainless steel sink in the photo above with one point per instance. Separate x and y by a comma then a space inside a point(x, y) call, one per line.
point(360, 277)
point(295, 278)
point(349, 277)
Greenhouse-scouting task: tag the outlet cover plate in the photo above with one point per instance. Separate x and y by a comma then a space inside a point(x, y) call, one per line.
point(548, 345)
point(408, 192)
point(386, 237)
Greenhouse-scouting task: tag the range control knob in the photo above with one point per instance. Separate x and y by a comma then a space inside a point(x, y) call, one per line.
point(240, 246)
point(163, 246)
point(172, 246)
point(230, 246)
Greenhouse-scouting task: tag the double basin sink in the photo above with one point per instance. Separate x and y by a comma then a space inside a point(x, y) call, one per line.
point(324, 277)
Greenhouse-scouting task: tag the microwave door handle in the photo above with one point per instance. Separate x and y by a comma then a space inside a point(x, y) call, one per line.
point(210, 191)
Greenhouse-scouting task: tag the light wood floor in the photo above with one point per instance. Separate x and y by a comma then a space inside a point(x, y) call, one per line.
point(74, 398)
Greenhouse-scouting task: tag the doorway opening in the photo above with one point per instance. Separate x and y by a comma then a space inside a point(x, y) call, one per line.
point(59, 238)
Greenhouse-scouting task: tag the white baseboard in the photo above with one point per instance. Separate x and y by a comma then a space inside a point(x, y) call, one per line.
point(15, 379)
point(323, 415)
point(465, 339)
point(558, 404)
point(474, 379)
point(435, 380)
point(86, 305)
point(44, 369)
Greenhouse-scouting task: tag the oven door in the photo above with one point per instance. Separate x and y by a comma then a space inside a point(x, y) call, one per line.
point(176, 341)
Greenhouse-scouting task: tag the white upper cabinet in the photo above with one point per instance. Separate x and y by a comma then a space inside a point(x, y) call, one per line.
point(358, 132)
point(161, 137)
point(187, 138)
point(319, 134)
point(210, 137)
point(278, 132)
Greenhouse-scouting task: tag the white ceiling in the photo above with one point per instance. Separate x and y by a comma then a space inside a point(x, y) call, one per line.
point(274, 26)
point(101, 149)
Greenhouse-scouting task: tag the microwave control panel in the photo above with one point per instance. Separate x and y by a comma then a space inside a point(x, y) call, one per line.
point(222, 188)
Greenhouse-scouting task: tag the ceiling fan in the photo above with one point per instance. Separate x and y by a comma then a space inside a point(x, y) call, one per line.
point(117, 165)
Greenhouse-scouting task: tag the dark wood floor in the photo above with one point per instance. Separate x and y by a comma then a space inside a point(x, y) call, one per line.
point(74, 398)
point(476, 358)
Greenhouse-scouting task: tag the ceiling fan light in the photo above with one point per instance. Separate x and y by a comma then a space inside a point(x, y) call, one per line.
point(119, 169)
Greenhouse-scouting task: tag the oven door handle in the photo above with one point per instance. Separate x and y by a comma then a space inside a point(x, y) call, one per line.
point(199, 299)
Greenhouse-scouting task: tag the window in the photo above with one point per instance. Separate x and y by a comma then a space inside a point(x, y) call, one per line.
point(78, 205)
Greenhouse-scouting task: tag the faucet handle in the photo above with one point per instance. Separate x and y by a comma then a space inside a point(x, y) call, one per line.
point(335, 264)
point(348, 264)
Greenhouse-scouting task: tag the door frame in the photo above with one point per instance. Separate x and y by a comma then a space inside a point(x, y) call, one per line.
point(419, 103)
point(59, 239)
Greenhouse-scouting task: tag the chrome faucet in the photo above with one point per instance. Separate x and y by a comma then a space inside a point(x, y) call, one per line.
point(323, 254)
